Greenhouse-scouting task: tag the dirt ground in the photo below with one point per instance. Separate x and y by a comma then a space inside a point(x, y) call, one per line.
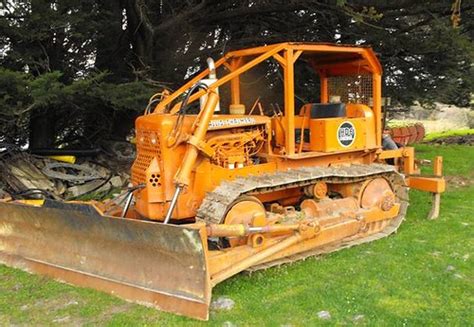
point(455, 139)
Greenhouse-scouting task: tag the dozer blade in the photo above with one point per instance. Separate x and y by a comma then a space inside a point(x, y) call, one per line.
point(150, 263)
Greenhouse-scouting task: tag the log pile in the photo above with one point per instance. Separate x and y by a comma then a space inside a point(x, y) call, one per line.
point(407, 134)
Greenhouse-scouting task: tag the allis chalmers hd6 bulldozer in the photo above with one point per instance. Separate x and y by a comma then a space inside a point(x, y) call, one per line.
point(218, 189)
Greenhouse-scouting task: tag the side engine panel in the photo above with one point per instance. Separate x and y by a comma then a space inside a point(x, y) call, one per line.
point(232, 144)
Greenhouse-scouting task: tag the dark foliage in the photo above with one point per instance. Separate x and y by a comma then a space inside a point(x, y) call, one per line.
point(77, 71)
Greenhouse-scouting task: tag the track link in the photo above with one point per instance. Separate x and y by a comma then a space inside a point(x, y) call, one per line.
point(217, 202)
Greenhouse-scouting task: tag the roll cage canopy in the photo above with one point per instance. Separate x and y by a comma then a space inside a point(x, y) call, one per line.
point(328, 60)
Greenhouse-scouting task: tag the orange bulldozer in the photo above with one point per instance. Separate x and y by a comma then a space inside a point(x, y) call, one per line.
point(221, 186)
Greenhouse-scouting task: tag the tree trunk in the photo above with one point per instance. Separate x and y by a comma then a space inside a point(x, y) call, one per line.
point(51, 53)
point(141, 32)
point(41, 130)
point(112, 41)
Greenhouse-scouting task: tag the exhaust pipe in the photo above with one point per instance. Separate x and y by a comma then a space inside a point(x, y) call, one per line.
point(209, 81)
point(212, 68)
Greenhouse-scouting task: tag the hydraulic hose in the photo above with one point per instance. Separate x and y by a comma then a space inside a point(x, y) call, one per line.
point(182, 113)
point(129, 198)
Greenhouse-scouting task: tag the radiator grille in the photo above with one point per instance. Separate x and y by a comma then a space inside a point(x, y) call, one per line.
point(352, 89)
point(148, 147)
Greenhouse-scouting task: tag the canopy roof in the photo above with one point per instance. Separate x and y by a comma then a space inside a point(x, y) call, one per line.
point(326, 59)
point(334, 59)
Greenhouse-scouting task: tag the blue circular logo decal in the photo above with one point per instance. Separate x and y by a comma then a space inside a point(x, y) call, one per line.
point(346, 134)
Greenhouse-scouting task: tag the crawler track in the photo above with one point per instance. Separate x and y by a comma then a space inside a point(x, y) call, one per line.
point(216, 203)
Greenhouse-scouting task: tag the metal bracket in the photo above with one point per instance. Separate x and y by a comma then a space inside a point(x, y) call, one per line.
point(201, 146)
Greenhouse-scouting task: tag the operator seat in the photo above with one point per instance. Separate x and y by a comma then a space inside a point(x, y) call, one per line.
point(323, 110)
point(327, 110)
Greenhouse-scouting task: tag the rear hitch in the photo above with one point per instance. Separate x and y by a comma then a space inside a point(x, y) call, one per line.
point(434, 184)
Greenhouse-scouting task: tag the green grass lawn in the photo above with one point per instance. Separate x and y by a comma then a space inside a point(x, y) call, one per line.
point(423, 275)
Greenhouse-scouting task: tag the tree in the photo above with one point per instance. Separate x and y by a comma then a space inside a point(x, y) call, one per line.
point(63, 57)
point(77, 71)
